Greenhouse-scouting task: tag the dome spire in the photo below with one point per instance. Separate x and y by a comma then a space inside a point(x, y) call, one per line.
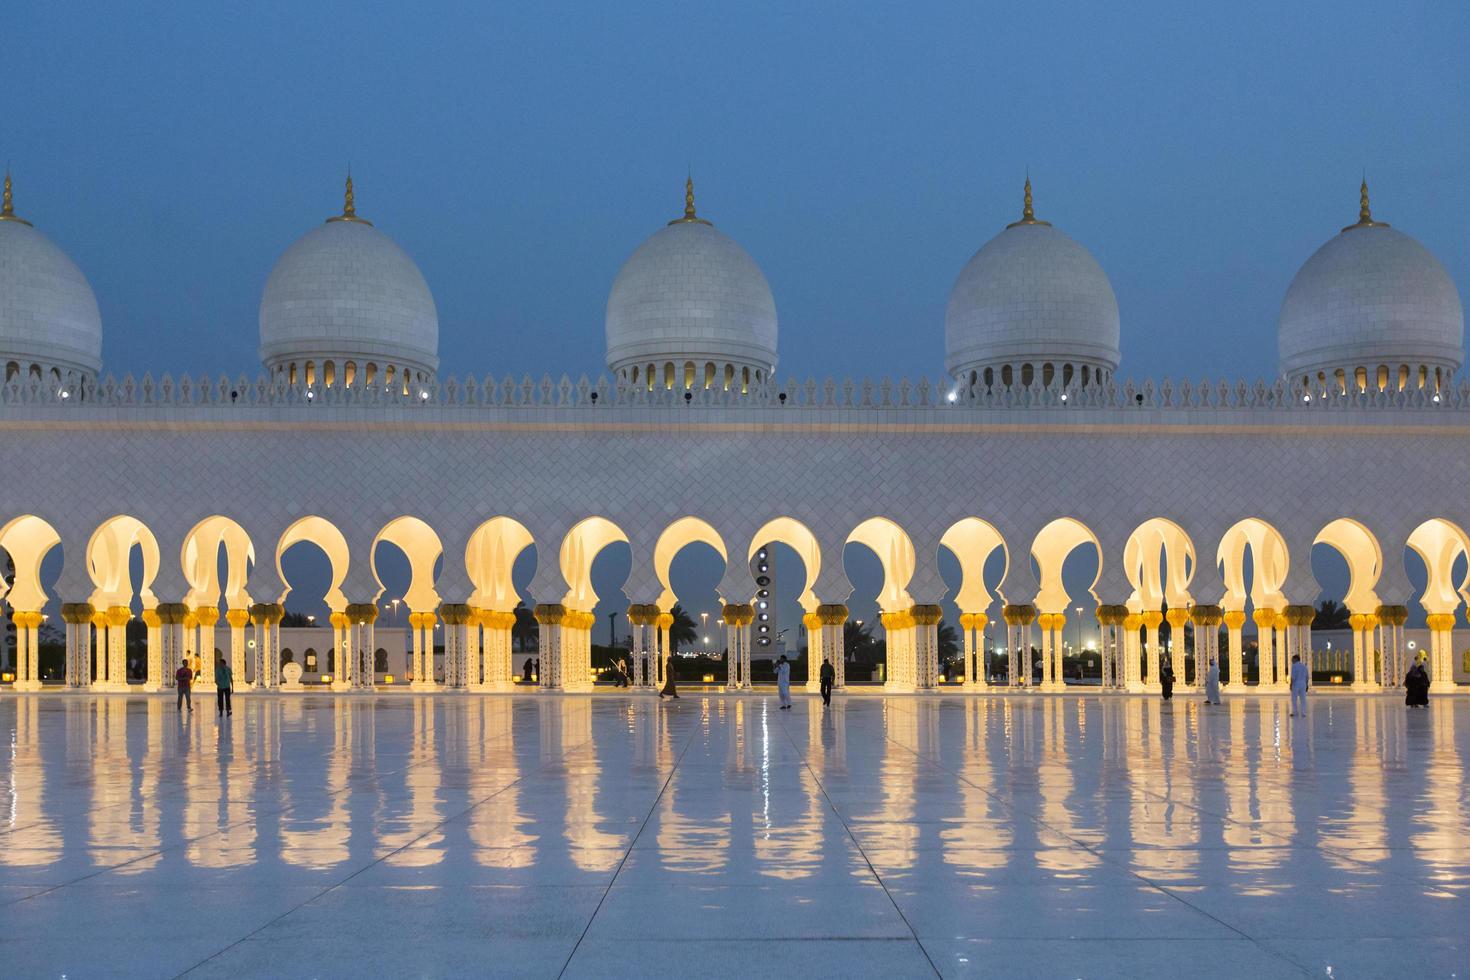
point(1028, 213)
point(689, 215)
point(7, 203)
point(349, 205)
point(1365, 213)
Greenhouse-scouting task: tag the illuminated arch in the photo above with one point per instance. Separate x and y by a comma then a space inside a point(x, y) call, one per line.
point(675, 538)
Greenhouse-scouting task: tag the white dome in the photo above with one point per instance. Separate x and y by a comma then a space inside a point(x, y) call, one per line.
point(1031, 297)
point(691, 294)
point(345, 292)
point(48, 314)
point(1371, 297)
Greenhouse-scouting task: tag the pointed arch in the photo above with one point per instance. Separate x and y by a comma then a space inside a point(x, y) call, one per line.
point(325, 535)
point(1159, 562)
point(973, 541)
point(895, 550)
point(199, 557)
point(421, 545)
point(27, 540)
point(1270, 563)
point(799, 538)
point(578, 551)
point(677, 536)
point(1364, 557)
point(1052, 545)
point(490, 559)
point(109, 566)
point(1440, 543)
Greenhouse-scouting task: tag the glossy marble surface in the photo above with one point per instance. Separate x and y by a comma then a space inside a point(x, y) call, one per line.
point(398, 835)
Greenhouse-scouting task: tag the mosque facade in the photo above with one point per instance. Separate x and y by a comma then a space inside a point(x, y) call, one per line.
point(172, 499)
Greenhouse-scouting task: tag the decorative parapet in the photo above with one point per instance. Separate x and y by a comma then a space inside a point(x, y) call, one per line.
point(87, 398)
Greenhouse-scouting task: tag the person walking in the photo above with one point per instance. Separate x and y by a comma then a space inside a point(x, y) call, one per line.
point(526, 671)
point(783, 681)
point(224, 682)
point(829, 677)
point(669, 687)
point(1212, 684)
point(1166, 681)
point(1299, 680)
point(184, 680)
point(1416, 686)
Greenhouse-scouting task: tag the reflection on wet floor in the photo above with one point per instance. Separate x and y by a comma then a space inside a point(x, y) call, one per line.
point(531, 835)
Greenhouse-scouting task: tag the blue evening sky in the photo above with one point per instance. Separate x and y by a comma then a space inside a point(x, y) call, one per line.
point(860, 152)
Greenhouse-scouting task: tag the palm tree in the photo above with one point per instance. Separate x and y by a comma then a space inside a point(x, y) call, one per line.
point(949, 642)
point(1331, 615)
point(683, 631)
point(858, 642)
point(526, 632)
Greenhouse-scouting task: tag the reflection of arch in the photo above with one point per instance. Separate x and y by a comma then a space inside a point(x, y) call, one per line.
point(489, 559)
point(579, 549)
point(972, 541)
point(26, 540)
point(324, 534)
point(1440, 544)
point(1270, 562)
point(676, 537)
point(896, 551)
point(1364, 559)
point(108, 565)
point(200, 560)
point(1158, 544)
point(421, 546)
point(1050, 550)
point(799, 538)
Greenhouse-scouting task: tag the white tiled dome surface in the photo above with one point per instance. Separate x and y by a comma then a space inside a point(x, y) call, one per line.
point(1031, 294)
point(1370, 294)
point(344, 288)
point(691, 292)
point(48, 314)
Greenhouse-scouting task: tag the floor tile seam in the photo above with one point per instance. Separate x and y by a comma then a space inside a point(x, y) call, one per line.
point(862, 852)
point(628, 851)
point(374, 863)
point(1157, 886)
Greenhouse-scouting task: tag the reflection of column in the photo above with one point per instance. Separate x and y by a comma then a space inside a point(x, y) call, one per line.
point(1265, 620)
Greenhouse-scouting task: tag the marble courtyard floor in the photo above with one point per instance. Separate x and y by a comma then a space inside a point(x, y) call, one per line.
point(397, 835)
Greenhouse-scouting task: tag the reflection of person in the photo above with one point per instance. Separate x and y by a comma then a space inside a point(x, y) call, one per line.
point(1416, 686)
point(1166, 680)
point(223, 682)
point(1299, 679)
point(783, 681)
point(669, 687)
point(1212, 684)
point(828, 676)
point(184, 678)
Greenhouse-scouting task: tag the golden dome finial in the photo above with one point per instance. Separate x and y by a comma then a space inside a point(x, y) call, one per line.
point(1365, 213)
point(349, 205)
point(7, 203)
point(1028, 213)
point(689, 215)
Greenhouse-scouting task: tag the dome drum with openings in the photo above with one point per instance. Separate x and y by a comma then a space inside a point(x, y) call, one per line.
point(1372, 310)
point(1031, 307)
point(345, 305)
point(691, 309)
point(50, 327)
